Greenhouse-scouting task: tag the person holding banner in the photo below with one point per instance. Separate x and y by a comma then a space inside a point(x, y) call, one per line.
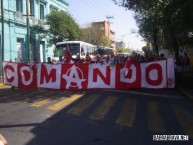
point(127, 65)
point(61, 60)
point(49, 60)
point(186, 62)
point(77, 59)
point(87, 58)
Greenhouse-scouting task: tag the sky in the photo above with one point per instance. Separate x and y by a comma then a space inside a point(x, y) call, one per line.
point(122, 23)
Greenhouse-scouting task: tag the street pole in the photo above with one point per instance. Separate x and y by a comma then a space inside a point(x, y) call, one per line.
point(2, 37)
point(2, 23)
point(27, 38)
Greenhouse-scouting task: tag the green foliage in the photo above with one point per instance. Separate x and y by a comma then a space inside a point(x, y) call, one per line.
point(123, 50)
point(104, 41)
point(61, 27)
point(145, 49)
point(164, 23)
point(94, 36)
point(37, 29)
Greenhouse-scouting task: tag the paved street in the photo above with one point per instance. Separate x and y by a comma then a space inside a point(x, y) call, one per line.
point(94, 117)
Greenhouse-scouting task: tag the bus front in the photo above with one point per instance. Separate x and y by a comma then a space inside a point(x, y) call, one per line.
point(73, 48)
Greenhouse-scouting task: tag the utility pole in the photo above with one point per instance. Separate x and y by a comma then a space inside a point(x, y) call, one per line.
point(2, 37)
point(109, 17)
point(2, 24)
point(27, 38)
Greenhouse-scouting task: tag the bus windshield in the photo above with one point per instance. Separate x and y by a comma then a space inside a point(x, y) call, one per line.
point(104, 51)
point(73, 48)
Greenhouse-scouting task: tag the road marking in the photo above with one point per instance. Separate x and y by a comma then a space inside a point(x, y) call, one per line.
point(185, 119)
point(31, 99)
point(127, 114)
point(103, 109)
point(79, 108)
point(65, 102)
point(155, 121)
point(41, 103)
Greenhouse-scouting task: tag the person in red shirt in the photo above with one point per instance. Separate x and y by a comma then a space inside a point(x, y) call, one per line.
point(68, 57)
point(127, 65)
point(87, 58)
point(98, 58)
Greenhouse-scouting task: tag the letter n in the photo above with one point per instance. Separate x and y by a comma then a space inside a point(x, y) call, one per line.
point(106, 79)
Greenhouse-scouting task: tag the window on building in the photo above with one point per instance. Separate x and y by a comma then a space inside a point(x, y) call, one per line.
point(53, 8)
point(19, 49)
point(41, 11)
point(19, 5)
point(32, 7)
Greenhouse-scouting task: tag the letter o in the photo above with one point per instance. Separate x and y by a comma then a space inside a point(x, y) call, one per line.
point(158, 81)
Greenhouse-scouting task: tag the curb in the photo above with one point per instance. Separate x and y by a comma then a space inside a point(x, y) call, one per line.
point(185, 93)
point(3, 86)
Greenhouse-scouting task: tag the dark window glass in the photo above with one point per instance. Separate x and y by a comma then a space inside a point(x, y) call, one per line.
point(19, 5)
point(31, 7)
point(41, 11)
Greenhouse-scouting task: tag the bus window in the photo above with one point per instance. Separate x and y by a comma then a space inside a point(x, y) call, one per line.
point(82, 50)
point(74, 49)
point(58, 52)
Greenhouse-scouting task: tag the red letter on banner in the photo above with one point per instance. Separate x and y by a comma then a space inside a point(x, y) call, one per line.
point(159, 79)
point(10, 68)
point(46, 76)
point(97, 72)
point(27, 76)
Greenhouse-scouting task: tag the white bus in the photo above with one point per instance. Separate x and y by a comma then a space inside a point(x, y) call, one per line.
point(104, 51)
point(75, 48)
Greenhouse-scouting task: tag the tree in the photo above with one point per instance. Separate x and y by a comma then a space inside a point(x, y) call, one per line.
point(94, 36)
point(123, 50)
point(169, 20)
point(62, 26)
point(146, 49)
point(149, 29)
point(148, 15)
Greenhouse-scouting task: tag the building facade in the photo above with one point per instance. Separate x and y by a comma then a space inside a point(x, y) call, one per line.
point(105, 27)
point(19, 16)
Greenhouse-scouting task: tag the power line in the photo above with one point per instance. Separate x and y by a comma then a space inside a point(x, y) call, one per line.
point(91, 7)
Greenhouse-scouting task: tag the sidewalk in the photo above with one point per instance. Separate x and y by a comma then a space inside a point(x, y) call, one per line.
point(187, 92)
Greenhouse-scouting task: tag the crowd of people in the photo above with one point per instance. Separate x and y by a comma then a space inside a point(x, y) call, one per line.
point(184, 63)
point(111, 58)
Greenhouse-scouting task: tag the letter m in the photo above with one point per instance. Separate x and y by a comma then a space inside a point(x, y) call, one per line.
point(47, 76)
